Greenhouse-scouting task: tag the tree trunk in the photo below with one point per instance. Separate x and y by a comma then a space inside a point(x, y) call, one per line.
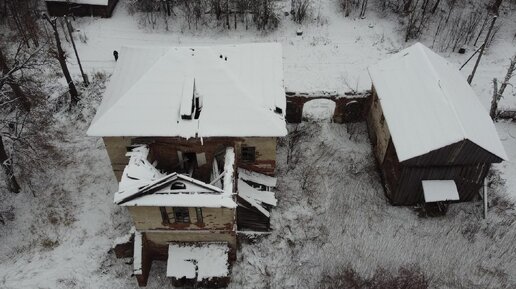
point(227, 14)
point(494, 101)
point(18, 92)
point(435, 6)
point(407, 5)
point(61, 57)
point(495, 6)
point(470, 77)
point(508, 76)
point(7, 165)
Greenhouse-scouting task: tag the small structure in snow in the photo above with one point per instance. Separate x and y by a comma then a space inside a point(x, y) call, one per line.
point(426, 123)
point(198, 263)
point(100, 8)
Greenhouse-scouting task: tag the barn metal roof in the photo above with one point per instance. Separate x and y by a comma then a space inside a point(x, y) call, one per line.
point(428, 104)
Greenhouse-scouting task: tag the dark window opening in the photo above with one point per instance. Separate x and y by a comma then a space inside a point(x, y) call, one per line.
point(174, 215)
point(198, 108)
point(248, 154)
point(177, 186)
point(198, 212)
point(181, 215)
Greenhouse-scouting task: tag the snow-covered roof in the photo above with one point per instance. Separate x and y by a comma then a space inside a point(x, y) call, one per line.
point(143, 185)
point(440, 190)
point(88, 2)
point(197, 261)
point(160, 193)
point(139, 171)
point(428, 104)
point(240, 89)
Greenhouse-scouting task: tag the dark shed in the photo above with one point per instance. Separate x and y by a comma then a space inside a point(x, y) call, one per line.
point(426, 123)
point(99, 8)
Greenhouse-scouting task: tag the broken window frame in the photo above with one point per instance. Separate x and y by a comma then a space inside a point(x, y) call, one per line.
point(248, 153)
point(198, 212)
point(169, 215)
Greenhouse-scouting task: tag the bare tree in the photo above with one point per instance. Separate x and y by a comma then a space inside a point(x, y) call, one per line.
point(24, 18)
point(7, 78)
point(494, 7)
point(498, 93)
point(470, 77)
point(61, 57)
point(7, 166)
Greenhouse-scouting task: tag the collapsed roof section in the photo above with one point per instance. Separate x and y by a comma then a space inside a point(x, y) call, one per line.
point(143, 185)
point(229, 90)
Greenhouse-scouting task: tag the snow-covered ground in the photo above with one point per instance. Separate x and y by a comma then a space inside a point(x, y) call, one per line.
point(331, 217)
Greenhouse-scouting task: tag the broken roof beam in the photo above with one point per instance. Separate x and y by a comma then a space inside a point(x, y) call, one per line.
point(229, 170)
point(257, 178)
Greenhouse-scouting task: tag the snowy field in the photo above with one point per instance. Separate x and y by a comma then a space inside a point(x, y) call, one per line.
point(333, 226)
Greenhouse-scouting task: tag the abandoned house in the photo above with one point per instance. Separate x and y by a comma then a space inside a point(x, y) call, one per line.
point(99, 8)
point(432, 139)
point(191, 136)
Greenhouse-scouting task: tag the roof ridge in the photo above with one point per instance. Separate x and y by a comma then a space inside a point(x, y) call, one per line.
point(238, 83)
point(131, 87)
point(446, 97)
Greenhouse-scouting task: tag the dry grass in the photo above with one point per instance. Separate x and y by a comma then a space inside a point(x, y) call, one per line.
point(333, 224)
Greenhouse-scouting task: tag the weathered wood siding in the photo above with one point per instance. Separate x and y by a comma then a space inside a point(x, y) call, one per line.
point(464, 152)
point(378, 128)
point(248, 217)
point(116, 148)
point(390, 171)
point(149, 218)
point(469, 181)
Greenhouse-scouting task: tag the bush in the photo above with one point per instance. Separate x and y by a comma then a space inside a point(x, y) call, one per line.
point(300, 10)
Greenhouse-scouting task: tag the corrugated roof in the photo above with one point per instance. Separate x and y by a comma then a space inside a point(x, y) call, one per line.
point(428, 104)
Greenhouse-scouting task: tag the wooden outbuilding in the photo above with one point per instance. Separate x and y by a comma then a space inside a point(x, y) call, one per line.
point(98, 8)
point(426, 124)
